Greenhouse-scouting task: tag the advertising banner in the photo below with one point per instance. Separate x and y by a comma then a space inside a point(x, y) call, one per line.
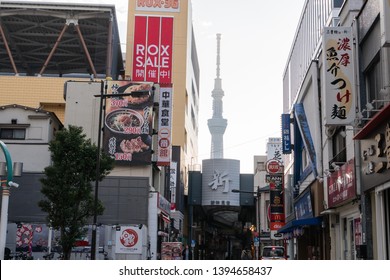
point(164, 148)
point(128, 122)
point(152, 54)
point(339, 76)
point(342, 184)
point(128, 240)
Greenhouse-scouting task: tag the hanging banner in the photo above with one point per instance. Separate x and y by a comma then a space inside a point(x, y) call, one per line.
point(152, 54)
point(128, 122)
point(338, 76)
point(286, 134)
point(172, 184)
point(164, 148)
point(342, 185)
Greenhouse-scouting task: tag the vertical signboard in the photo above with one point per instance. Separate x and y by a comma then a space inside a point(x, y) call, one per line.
point(164, 148)
point(152, 54)
point(128, 122)
point(172, 184)
point(274, 149)
point(286, 134)
point(342, 185)
point(276, 187)
point(338, 76)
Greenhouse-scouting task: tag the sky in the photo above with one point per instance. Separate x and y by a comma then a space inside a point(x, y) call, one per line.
point(256, 39)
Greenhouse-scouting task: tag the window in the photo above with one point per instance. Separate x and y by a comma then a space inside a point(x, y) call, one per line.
point(13, 133)
point(338, 3)
point(374, 81)
point(339, 146)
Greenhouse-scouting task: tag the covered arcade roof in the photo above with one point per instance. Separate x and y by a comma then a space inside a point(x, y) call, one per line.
point(57, 39)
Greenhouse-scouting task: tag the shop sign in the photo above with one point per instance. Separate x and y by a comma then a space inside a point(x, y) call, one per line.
point(342, 184)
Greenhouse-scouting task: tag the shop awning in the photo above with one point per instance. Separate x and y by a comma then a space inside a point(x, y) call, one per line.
point(165, 217)
point(290, 226)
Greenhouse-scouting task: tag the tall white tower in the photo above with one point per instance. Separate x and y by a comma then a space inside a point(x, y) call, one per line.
point(217, 124)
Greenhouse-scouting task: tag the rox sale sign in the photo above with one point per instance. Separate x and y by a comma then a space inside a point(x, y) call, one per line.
point(152, 54)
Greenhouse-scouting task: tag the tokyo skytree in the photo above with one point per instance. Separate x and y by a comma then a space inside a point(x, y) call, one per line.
point(217, 124)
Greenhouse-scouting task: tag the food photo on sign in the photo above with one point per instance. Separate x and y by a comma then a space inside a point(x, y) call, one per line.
point(128, 122)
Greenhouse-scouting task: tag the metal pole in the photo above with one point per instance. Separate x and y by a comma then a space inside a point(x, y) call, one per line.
point(5, 185)
point(4, 217)
point(258, 224)
point(94, 225)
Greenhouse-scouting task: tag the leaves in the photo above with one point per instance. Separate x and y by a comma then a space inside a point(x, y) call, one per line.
point(69, 200)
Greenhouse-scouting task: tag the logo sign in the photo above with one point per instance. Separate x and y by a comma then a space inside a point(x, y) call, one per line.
point(158, 5)
point(273, 166)
point(128, 240)
point(152, 54)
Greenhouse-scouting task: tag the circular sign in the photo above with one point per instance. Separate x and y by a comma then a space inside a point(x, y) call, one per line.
point(164, 143)
point(129, 238)
point(273, 166)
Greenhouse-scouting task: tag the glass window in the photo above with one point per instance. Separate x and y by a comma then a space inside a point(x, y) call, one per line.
point(12, 133)
point(337, 3)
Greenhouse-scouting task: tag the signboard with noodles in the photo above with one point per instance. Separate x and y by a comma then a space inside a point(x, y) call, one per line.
point(128, 122)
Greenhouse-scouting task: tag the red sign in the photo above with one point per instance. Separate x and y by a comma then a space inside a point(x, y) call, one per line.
point(152, 55)
point(342, 184)
point(129, 238)
point(273, 166)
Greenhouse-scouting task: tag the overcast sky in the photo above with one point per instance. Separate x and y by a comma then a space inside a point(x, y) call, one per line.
point(255, 44)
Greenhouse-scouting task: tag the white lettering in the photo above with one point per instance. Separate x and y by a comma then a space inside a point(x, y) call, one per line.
point(164, 50)
point(140, 50)
point(152, 50)
point(140, 61)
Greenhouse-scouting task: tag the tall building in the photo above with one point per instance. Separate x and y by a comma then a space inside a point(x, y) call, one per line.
point(217, 124)
point(161, 48)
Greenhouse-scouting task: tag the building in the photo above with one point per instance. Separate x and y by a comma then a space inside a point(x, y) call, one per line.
point(334, 69)
point(62, 71)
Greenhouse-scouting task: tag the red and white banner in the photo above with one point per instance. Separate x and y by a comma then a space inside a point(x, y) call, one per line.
point(164, 148)
point(152, 55)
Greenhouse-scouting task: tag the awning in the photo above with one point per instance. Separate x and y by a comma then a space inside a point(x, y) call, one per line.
point(290, 226)
point(165, 217)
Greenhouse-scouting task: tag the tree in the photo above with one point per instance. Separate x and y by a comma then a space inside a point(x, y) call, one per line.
point(69, 200)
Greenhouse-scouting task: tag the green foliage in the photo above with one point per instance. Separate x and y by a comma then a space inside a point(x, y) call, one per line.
point(69, 198)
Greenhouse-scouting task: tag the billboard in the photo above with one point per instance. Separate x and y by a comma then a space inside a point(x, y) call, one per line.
point(339, 83)
point(128, 122)
point(152, 54)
